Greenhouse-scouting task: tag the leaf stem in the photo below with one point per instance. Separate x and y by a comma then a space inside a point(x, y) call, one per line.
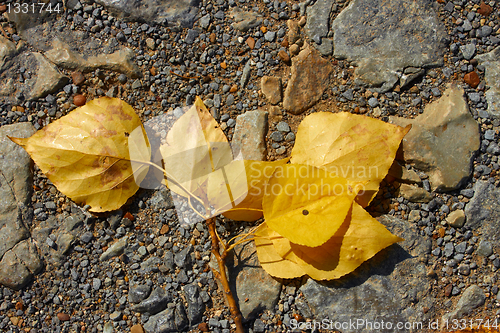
point(233, 306)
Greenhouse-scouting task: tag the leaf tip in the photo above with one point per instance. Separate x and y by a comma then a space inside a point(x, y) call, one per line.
point(19, 141)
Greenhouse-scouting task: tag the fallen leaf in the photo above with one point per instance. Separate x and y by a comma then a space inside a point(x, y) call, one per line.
point(358, 239)
point(196, 146)
point(355, 147)
point(251, 180)
point(86, 155)
point(269, 259)
point(306, 204)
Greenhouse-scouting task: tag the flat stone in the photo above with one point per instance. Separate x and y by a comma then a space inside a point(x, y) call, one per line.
point(414, 193)
point(318, 17)
point(468, 51)
point(442, 140)
point(310, 76)
point(392, 286)
point(249, 136)
point(245, 274)
point(115, 250)
point(472, 298)
point(243, 20)
point(13, 273)
point(384, 37)
point(174, 12)
point(155, 303)
point(271, 88)
point(491, 62)
point(167, 321)
point(483, 209)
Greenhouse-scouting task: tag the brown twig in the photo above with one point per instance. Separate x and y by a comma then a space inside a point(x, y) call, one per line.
point(185, 77)
point(221, 275)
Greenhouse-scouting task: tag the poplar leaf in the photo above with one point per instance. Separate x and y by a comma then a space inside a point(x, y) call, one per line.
point(269, 258)
point(306, 204)
point(358, 239)
point(86, 154)
point(355, 147)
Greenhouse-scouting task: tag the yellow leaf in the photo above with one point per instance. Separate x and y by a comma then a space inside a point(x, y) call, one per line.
point(196, 146)
point(270, 260)
point(355, 147)
point(86, 155)
point(358, 239)
point(306, 204)
point(247, 180)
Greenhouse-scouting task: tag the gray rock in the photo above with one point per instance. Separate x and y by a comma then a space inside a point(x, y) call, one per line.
point(115, 250)
point(96, 283)
point(435, 134)
point(245, 274)
point(326, 47)
point(138, 293)
point(491, 62)
point(191, 36)
point(155, 303)
point(392, 286)
point(170, 320)
point(471, 299)
point(205, 21)
point(482, 210)
point(318, 17)
point(384, 37)
point(245, 76)
point(183, 258)
point(468, 51)
point(19, 265)
point(283, 127)
point(73, 4)
point(47, 80)
point(484, 248)
point(249, 136)
point(196, 307)
point(181, 12)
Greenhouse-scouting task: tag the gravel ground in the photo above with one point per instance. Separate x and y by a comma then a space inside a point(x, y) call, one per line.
point(80, 292)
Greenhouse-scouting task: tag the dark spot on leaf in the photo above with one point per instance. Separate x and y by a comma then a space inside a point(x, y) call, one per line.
point(305, 212)
point(127, 134)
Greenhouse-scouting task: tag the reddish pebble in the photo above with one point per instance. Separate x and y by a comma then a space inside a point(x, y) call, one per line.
point(484, 9)
point(137, 328)
point(79, 100)
point(251, 42)
point(203, 327)
point(472, 79)
point(19, 306)
point(129, 216)
point(3, 8)
point(164, 229)
point(284, 57)
point(448, 289)
point(78, 78)
point(62, 316)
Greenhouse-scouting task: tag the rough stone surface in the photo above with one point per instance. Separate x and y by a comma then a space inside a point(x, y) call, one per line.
point(471, 299)
point(491, 62)
point(245, 274)
point(483, 210)
point(384, 288)
point(181, 12)
point(271, 88)
point(384, 37)
point(46, 77)
point(310, 75)
point(318, 17)
point(169, 320)
point(249, 136)
point(7, 50)
point(442, 140)
point(115, 250)
point(155, 303)
point(18, 265)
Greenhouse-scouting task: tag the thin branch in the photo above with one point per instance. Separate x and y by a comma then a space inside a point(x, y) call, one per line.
point(233, 306)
